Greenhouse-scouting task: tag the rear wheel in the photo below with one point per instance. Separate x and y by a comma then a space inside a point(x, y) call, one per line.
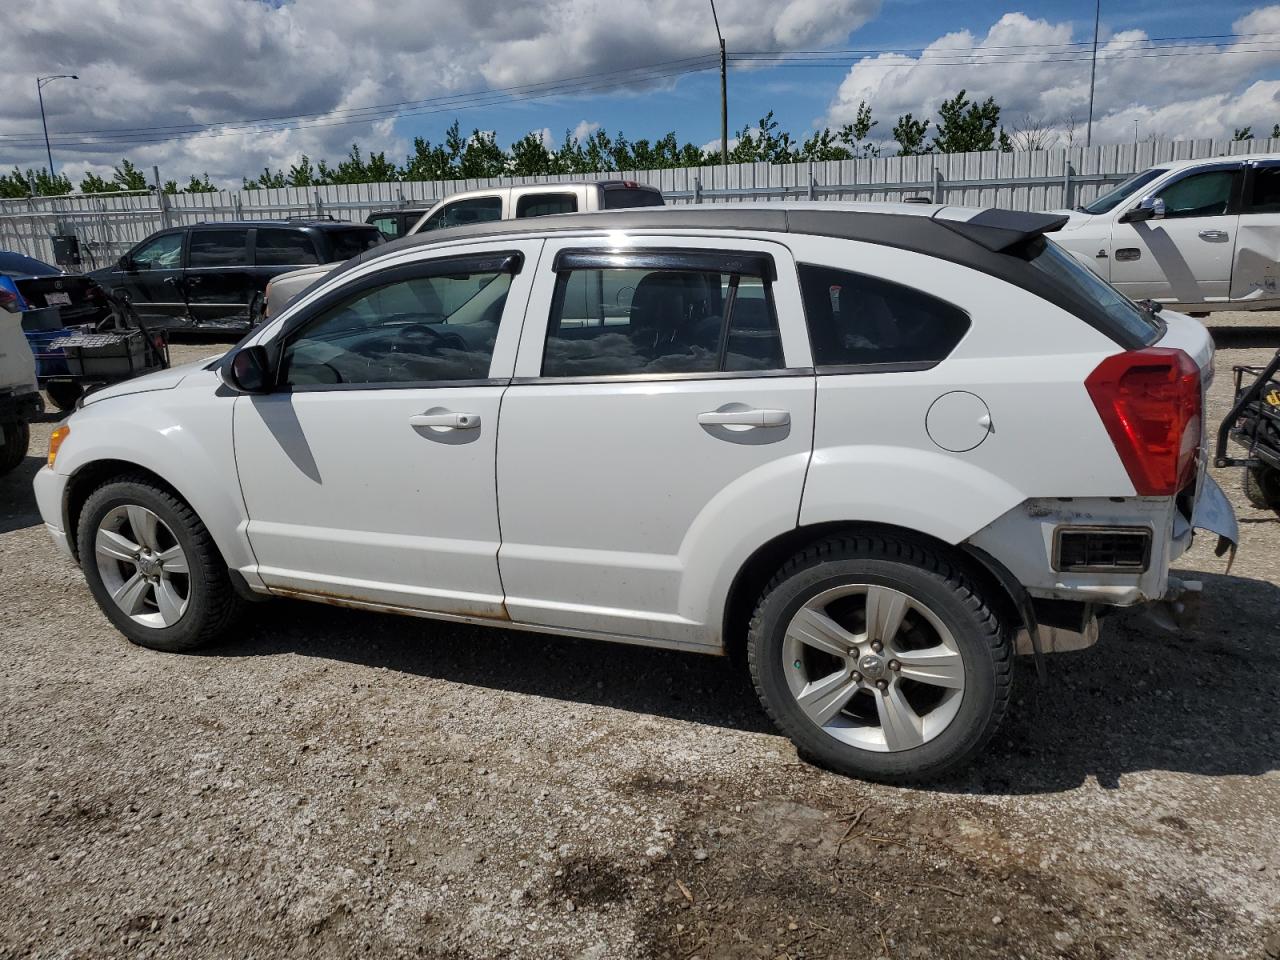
point(880, 659)
point(1262, 487)
point(17, 439)
point(64, 395)
point(153, 568)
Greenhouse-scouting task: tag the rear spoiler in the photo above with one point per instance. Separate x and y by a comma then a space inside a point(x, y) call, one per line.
point(1001, 230)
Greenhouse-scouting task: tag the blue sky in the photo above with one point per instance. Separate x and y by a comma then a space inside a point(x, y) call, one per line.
point(172, 84)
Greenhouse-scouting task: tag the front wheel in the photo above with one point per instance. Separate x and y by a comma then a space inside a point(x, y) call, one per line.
point(880, 659)
point(1262, 487)
point(64, 394)
point(153, 568)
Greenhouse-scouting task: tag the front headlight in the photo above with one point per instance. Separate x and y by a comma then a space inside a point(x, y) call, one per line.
point(59, 434)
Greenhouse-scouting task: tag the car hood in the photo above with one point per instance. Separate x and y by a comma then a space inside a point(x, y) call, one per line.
point(160, 380)
point(1076, 219)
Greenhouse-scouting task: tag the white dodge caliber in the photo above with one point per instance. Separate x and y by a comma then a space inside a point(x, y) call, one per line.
point(876, 449)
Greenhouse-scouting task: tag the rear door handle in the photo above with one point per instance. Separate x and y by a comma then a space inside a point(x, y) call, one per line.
point(454, 421)
point(744, 418)
point(1214, 236)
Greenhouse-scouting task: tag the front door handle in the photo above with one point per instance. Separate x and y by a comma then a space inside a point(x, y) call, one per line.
point(1214, 236)
point(449, 419)
point(744, 418)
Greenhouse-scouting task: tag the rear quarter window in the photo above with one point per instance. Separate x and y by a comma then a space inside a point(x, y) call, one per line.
point(857, 320)
point(626, 197)
point(345, 244)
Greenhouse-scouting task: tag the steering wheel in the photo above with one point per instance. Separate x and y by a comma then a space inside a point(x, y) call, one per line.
point(438, 340)
point(410, 330)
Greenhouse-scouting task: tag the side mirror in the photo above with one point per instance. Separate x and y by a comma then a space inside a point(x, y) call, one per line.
point(127, 264)
point(1152, 208)
point(248, 370)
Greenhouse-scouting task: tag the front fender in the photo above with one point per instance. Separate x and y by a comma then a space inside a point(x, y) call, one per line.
point(930, 492)
point(185, 439)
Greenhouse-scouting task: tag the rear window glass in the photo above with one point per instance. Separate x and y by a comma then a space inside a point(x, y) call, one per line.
point(1064, 270)
point(618, 198)
point(17, 265)
point(278, 248)
point(345, 244)
point(545, 204)
point(857, 320)
point(218, 248)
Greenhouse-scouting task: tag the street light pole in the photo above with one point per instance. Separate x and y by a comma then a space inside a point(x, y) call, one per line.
point(724, 94)
point(40, 85)
point(1093, 72)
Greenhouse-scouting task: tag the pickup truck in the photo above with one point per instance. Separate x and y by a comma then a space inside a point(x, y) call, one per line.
point(1198, 235)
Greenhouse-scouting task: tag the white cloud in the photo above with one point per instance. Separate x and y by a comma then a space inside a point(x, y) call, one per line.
point(1201, 95)
point(155, 63)
point(584, 129)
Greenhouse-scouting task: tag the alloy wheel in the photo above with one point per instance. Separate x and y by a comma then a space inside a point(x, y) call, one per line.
point(143, 566)
point(873, 667)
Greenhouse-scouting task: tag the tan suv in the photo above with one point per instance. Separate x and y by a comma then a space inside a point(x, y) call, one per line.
point(491, 203)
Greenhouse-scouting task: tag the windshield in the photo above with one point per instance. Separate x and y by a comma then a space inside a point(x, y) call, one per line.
point(1113, 198)
point(1066, 271)
point(17, 265)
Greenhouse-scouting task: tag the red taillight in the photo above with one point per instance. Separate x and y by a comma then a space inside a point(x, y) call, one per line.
point(1149, 401)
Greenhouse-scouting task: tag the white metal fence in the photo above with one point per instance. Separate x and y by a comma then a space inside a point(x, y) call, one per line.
point(109, 224)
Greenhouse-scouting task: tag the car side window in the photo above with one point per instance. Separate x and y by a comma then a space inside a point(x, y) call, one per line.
point(638, 321)
point(1264, 191)
point(1199, 195)
point(471, 210)
point(389, 227)
point(856, 320)
point(278, 248)
point(218, 248)
point(545, 204)
point(162, 253)
point(418, 329)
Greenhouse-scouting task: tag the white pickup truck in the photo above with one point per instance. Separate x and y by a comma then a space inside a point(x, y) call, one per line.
point(490, 203)
point(1200, 235)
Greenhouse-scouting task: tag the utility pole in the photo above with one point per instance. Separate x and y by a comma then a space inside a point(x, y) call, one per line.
point(40, 85)
point(724, 93)
point(1093, 72)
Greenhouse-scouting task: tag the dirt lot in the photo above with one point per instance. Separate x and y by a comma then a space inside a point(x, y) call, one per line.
point(338, 784)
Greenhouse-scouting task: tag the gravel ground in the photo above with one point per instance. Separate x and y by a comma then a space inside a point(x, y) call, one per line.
point(339, 783)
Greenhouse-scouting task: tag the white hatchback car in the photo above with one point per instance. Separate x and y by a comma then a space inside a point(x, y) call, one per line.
point(1203, 235)
point(877, 449)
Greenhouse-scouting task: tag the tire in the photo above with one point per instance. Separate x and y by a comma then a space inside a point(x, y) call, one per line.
point(209, 604)
point(17, 440)
point(966, 685)
point(64, 395)
point(1262, 487)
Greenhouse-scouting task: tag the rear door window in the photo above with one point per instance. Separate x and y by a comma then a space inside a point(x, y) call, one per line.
point(1263, 195)
point(278, 248)
point(545, 204)
point(218, 248)
point(641, 321)
point(856, 320)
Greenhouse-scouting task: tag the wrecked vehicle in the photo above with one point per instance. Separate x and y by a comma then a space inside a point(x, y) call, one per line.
point(875, 449)
point(1200, 235)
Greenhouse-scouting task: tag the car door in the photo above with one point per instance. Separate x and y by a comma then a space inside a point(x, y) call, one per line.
point(151, 276)
point(660, 418)
point(1186, 255)
point(219, 278)
point(368, 475)
point(1255, 274)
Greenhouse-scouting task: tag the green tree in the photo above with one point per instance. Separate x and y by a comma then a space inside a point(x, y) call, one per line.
point(910, 134)
point(18, 184)
point(530, 157)
point(855, 135)
point(763, 143)
point(430, 162)
point(1275, 131)
point(965, 126)
point(199, 185)
point(482, 157)
point(302, 174)
point(1243, 133)
point(129, 177)
point(92, 183)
